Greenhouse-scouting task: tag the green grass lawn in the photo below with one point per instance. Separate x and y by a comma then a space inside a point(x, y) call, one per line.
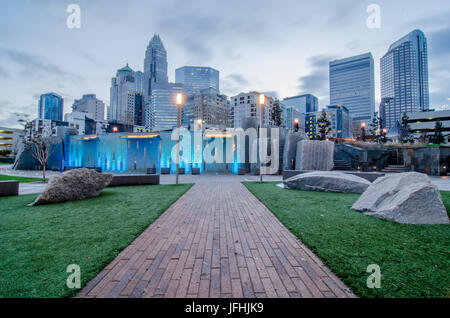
point(414, 259)
point(20, 179)
point(38, 243)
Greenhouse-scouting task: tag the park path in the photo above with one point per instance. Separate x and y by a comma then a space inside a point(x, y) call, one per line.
point(217, 240)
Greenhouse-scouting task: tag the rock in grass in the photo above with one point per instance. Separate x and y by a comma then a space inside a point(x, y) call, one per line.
point(72, 185)
point(327, 181)
point(408, 198)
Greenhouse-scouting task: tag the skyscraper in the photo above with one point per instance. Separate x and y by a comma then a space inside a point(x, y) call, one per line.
point(161, 111)
point(306, 103)
point(404, 78)
point(50, 106)
point(352, 84)
point(197, 78)
point(209, 106)
point(91, 105)
point(155, 65)
point(122, 94)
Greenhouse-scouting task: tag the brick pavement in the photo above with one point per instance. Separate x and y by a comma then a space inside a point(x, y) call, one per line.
point(217, 240)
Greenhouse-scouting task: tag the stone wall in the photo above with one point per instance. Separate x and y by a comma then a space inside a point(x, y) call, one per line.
point(314, 155)
point(430, 160)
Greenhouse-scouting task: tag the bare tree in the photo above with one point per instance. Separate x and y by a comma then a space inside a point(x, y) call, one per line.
point(40, 148)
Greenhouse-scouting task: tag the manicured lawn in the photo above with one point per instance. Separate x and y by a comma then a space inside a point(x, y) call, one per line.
point(414, 259)
point(38, 243)
point(20, 179)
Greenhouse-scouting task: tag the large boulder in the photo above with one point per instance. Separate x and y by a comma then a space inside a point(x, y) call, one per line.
point(72, 185)
point(290, 148)
point(408, 198)
point(315, 155)
point(327, 181)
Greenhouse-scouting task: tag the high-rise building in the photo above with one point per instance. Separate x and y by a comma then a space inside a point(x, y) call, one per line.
point(197, 78)
point(210, 107)
point(89, 104)
point(139, 108)
point(161, 111)
point(306, 103)
point(155, 65)
point(247, 105)
point(139, 82)
point(122, 94)
point(51, 107)
point(404, 78)
point(352, 84)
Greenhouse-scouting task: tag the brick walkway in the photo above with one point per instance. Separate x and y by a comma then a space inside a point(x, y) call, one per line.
point(217, 240)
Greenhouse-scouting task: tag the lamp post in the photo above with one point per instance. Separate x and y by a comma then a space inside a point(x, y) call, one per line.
point(363, 132)
point(261, 125)
point(296, 126)
point(179, 103)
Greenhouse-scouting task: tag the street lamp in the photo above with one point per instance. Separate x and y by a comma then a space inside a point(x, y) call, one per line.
point(296, 126)
point(179, 103)
point(261, 125)
point(363, 132)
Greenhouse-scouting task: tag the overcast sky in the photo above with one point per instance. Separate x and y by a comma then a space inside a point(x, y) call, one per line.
point(281, 46)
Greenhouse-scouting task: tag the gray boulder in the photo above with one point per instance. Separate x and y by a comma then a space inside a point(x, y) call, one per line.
point(315, 155)
point(72, 185)
point(290, 148)
point(408, 198)
point(327, 181)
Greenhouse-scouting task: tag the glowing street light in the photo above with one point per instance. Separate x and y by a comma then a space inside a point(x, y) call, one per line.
point(363, 132)
point(296, 124)
point(115, 129)
point(179, 103)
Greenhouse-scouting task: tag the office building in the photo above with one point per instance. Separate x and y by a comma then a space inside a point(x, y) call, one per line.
point(155, 65)
point(197, 78)
point(90, 105)
point(404, 78)
point(290, 115)
point(161, 111)
point(352, 84)
point(209, 107)
point(247, 105)
point(50, 106)
point(306, 103)
point(122, 94)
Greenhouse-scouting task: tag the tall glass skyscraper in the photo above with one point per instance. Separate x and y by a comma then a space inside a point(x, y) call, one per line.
point(352, 84)
point(162, 109)
point(197, 78)
point(155, 65)
point(404, 78)
point(51, 106)
point(306, 103)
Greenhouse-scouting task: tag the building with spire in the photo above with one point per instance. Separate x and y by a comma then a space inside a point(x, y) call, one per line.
point(155, 65)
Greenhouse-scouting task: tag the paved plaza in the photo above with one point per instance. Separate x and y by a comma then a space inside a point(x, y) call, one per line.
point(217, 240)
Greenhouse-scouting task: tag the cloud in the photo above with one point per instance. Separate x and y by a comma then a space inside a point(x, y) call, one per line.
point(238, 79)
point(10, 118)
point(316, 82)
point(3, 73)
point(32, 64)
point(438, 43)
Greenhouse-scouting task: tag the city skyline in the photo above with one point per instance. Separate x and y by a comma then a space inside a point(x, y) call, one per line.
point(241, 65)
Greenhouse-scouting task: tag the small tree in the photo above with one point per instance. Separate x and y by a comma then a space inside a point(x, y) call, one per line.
point(324, 126)
point(277, 114)
point(40, 148)
point(438, 137)
point(406, 135)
